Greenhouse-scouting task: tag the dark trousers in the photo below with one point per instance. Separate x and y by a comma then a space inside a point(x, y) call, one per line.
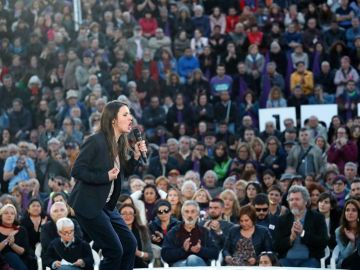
point(112, 235)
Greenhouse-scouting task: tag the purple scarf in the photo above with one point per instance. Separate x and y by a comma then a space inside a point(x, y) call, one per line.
point(179, 117)
point(242, 88)
point(316, 64)
point(289, 70)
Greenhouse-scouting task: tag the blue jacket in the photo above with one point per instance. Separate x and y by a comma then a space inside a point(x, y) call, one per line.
point(186, 65)
point(173, 251)
point(261, 240)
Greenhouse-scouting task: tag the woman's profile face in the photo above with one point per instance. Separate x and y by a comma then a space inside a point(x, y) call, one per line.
point(149, 195)
point(324, 206)
point(123, 122)
point(314, 196)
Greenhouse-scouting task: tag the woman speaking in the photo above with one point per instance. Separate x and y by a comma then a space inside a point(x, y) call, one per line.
point(104, 161)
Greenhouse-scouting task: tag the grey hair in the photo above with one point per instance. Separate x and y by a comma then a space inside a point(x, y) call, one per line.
point(173, 140)
point(59, 204)
point(182, 138)
point(350, 164)
point(188, 182)
point(299, 189)
point(190, 202)
point(211, 172)
point(64, 222)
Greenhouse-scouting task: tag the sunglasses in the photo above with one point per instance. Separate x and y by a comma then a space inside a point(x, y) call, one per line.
point(261, 209)
point(165, 211)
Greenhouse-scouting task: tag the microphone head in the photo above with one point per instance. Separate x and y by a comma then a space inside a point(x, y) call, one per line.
point(137, 134)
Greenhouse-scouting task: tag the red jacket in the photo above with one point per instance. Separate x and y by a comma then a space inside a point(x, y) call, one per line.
point(348, 152)
point(148, 26)
point(154, 72)
point(231, 21)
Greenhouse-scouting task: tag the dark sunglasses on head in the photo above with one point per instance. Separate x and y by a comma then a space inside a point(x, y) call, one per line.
point(165, 211)
point(261, 209)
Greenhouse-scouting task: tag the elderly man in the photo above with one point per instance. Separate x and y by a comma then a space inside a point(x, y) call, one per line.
point(68, 250)
point(189, 244)
point(302, 235)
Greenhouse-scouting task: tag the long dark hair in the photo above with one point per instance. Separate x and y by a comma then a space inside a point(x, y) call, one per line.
point(121, 147)
point(344, 224)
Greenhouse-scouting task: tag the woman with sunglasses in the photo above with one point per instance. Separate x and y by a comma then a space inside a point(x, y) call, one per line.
point(162, 223)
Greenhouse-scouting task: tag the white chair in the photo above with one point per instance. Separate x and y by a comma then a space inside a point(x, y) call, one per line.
point(220, 259)
point(96, 257)
point(38, 249)
point(323, 259)
point(334, 257)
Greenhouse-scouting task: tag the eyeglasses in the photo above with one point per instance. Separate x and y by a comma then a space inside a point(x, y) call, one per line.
point(165, 211)
point(261, 209)
point(67, 233)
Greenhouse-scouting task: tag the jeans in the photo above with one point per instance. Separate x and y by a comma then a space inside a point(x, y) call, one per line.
point(192, 260)
point(69, 267)
point(113, 236)
point(311, 262)
point(15, 261)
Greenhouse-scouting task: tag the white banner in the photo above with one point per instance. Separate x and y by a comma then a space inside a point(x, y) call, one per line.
point(323, 112)
point(277, 116)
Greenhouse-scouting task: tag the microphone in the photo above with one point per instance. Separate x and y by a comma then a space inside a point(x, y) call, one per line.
point(138, 138)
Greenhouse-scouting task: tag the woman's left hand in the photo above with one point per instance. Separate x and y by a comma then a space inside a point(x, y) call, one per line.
point(139, 148)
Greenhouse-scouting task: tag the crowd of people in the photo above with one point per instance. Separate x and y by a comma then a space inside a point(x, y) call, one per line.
point(194, 74)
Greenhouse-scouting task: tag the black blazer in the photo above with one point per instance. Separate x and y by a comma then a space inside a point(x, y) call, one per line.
point(90, 171)
point(315, 238)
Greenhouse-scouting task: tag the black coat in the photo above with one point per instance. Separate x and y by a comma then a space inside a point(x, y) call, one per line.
point(92, 180)
point(48, 232)
point(315, 238)
point(79, 249)
point(155, 167)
